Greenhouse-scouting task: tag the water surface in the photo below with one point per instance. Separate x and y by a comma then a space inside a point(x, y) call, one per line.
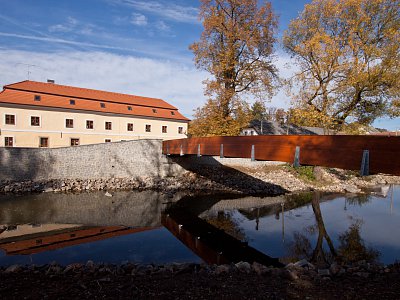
point(68, 228)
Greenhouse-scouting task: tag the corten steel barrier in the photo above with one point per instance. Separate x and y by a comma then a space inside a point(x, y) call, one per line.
point(336, 151)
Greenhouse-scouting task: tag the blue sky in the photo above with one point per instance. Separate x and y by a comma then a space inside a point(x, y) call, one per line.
point(129, 46)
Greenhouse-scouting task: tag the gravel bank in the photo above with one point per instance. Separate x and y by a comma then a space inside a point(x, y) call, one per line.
point(263, 180)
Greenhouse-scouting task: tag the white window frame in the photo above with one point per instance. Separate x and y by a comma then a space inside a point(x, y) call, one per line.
point(74, 138)
point(48, 141)
point(162, 129)
point(105, 140)
point(40, 120)
point(3, 140)
point(182, 130)
point(65, 123)
point(4, 119)
point(145, 127)
point(111, 125)
point(86, 125)
point(133, 126)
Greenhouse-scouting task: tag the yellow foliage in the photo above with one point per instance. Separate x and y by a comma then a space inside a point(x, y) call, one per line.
point(210, 121)
point(235, 47)
point(310, 117)
point(348, 54)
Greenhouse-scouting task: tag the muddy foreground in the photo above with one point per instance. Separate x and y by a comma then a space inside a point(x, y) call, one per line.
point(193, 281)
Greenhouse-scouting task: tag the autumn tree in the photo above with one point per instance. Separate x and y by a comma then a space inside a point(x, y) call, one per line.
point(210, 121)
point(235, 47)
point(259, 111)
point(280, 116)
point(310, 117)
point(348, 55)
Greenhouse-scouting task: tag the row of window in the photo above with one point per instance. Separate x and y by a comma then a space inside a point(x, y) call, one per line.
point(102, 104)
point(69, 123)
point(44, 141)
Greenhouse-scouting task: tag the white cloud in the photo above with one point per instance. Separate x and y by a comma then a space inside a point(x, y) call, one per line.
point(178, 13)
point(67, 26)
point(161, 25)
point(138, 19)
point(59, 28)
point(177, 84)
point(64, 41)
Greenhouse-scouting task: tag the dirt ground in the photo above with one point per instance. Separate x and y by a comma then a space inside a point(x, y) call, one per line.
point(118, 283)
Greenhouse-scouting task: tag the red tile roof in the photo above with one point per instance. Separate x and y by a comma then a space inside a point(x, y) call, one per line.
point(59, 96)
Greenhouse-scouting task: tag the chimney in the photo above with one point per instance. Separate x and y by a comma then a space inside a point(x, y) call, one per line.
point(50, 81)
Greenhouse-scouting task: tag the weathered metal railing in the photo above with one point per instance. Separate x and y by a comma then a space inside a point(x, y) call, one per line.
point(369, 154)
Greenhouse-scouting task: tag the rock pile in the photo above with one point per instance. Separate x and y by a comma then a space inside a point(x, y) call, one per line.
point(292, 271)
point(250, 181)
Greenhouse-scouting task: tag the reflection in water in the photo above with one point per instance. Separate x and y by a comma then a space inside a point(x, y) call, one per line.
point(56, 236)
point(351, 246)
point(68, 228)
point(214, 245)
point(224, 221)
point(94, 209)
point(316, 227)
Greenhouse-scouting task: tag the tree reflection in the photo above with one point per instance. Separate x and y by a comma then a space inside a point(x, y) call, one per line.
point(225, 222)
point(351, 246)
point(318, 255)
point(359, 200)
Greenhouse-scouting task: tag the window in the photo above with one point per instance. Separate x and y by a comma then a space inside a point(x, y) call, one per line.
point(180, 130)
point(107, 140)
point(164, 129)
point(9, 141)
point(173, 113)
point(129, 107)
point(102, 105)
point(154, 110)
point(89, 124)
point(10, 119)
point(148, 128)
point(130, 127)
point(72, 102)
point(44, 142)
point(74, 142)
point(108, 125)
point(37, 98)
point(35, 121)
point(69, 123)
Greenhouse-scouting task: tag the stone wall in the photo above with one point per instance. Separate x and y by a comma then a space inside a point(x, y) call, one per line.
point(120, 160)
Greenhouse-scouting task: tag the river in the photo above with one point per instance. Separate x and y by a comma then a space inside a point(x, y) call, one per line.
point(149, 227)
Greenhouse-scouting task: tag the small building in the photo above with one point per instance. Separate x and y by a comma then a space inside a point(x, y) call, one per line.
point(38, 114)
point(257, 127)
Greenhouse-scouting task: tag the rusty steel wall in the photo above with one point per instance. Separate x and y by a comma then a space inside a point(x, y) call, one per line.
point(340, 151)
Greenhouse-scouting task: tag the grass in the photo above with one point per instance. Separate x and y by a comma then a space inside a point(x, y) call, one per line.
point(304, 172)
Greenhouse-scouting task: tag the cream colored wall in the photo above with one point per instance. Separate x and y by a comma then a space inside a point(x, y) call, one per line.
point(52, 125)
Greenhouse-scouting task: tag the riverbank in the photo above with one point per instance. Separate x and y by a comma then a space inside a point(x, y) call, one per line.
point(266, 179)
point(198, 281)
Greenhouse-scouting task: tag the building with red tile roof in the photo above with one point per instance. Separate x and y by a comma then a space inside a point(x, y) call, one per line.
point(37, 114)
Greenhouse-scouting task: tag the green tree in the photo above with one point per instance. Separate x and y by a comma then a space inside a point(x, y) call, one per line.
point(259, 111)
point(348, 54)
point(235, 47)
